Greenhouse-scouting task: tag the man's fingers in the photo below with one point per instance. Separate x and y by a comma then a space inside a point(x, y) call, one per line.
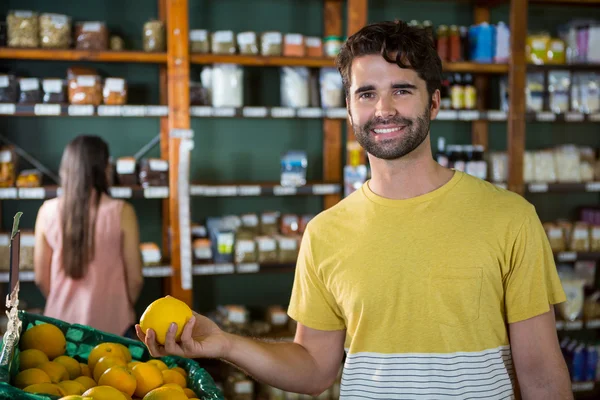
point(170, 345)
point(188, 329)
point(140, 334)
point(152, 345)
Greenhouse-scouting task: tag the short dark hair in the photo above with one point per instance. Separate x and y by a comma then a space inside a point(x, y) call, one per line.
point(397, 43)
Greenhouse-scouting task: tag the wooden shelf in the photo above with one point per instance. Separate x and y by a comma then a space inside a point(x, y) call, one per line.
point(567, 67)
point(49, 192)
point(66, 110)
point(572, 256)
point(82, 55)
point(242, 269)
point(262, 61)
point(148, 272)
point(584, 187)
point(476, 68)
point(268, 189)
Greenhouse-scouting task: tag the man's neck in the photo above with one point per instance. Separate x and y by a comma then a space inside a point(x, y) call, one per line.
point(413, 175)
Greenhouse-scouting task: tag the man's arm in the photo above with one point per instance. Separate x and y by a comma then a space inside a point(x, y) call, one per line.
point(541, 369)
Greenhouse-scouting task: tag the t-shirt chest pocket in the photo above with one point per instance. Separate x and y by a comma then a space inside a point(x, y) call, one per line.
point(455, 295)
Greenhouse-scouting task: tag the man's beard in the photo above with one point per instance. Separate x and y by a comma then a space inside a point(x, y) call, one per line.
point(415, 132)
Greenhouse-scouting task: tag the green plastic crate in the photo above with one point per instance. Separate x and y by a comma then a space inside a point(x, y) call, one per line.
point(81, 340)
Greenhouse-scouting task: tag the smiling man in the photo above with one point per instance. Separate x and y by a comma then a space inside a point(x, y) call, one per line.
point(440, 284)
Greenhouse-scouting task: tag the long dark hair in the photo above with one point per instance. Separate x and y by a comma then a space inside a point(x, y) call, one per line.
point(83, 180)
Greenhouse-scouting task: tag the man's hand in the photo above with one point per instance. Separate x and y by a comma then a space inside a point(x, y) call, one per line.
point(201, 338)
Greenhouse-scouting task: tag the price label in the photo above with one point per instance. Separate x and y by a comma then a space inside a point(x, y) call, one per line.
point(227, 112)
point(447, 115)
point(469, 115)
point(582, 386)
point(249, 190)
point(157, 271)
point(593, 324)
point(284, 191)
point(255, 112)
point(497, 115)
point(26, 276)
point(205, 269)
point(545, 117)
point(201, 111)
point(159, 192)
point(574, 325)
point(4, 277)
point(324, 189)
point(46, 109)
point(8, 193)
point(157, 111)
point(32, 193)
point(197, 190)
point(7, 109)
point(538, 188)
point(210, 191)
point(594, 117)
point(567, 256)
point(592, 187)
point(283, 112)
point(224, 269)
point(121, 192)
point(226, 190)
point(81, 111)
point(310, 112)
point(250, 268)
point(560, 325)
point(574, 117)
point(109, 111)
point(336, 113)
point(133, 111)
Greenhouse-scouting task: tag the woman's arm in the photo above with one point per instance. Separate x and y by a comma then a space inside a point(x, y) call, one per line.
point(42, 255)
point(131, 252)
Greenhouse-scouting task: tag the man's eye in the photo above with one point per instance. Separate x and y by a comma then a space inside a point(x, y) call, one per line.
point(366, 95)
point(402, 92)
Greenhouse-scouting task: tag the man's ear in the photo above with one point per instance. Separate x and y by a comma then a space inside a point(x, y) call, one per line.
point(435, 104)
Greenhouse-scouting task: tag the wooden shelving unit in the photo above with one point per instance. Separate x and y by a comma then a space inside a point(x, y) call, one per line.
point(8, 53)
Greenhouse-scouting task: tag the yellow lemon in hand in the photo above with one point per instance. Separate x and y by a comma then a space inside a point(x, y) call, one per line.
point(161, 313)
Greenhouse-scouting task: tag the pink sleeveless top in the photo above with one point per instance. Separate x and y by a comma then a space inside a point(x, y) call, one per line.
point(100, 298)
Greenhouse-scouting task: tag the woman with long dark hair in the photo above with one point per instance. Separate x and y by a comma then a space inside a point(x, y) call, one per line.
point(87, 259)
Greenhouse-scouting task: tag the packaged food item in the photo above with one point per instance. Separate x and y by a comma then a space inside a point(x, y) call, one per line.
point(545, 166)
point(247, 43)
point(8, 89)
point(54, 91)
point(589, 92)
point(293, 45)
point(580, 238)
point(199, 42)
point(333, 45)
point(30, 91)
point(55, 31)
point(295, 88)
point(332, 88)
point(199, 95)
point(239, 387)
point(595, 238)
point(534, 92)
point(245, 251)
point(154, 172)
point(91, 35)
point(267, 249)
point(586, 270)
point(314, 46)
point(115, 91)
point(481, 42)
point(457, 92)
point(277, 317)
point(126, 171)
point(85, 90)
point(587, 163)
point(75, 71)
point(443, 39)
point(454, 44)
point(290, 224)
point(22, 29)
point(151, 255)
point(470, 93)
point(223, 42)
point(502, 53)
point(559, 85)
point(8, 160)
point(572, 309)
point(227, 86)
point(29, 178)
point(27, 250)
point(556, 237)
point(271, 44)
point(499, 166)
point(198, 231)
point(536, 48)
point(293, 168)
point(154, 36)
point(567, 159)
point(288, 249)
point(556, 52)
point(4, 252)
point(250, 227)
point(202, 249)
point(221, 233)
point(269, 223)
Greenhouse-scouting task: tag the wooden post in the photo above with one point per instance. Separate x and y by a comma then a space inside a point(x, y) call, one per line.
point(178, 70)
point(480, 128)
point(332, 128)
point(164, 136)
point(516, 82)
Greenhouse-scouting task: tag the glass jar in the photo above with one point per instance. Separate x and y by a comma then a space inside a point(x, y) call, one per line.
point(91, 35)
point(199, 42)
point(333, 45)
point(55, 31)
point(442, 44)
point(271, 43)
point(23, 29)
point(154, 36)
point(455, 51)
point(85, 90)
point(115, 91)
point(247, 43)
point(54, 91)
point(223, 42)
point(29, 91)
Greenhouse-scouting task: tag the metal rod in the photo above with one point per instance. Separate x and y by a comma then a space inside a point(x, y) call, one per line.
point(38, 165)
point(144, 150)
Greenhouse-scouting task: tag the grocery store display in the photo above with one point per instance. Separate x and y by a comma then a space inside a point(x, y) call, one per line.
point(582, 359)
point(465, 158)
point(458, 92)
point(580, 236)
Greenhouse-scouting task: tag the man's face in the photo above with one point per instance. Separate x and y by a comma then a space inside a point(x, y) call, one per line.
point(389, 107)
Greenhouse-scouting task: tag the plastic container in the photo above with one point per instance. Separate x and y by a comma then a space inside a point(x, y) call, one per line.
point(199, 42)
point(30, 91)
point(23, 29)
point(91, 35)
point(154, 37)
point(55, 31)
point(247, 43)
point(54, 91)
point(115, 91)
point(271, 44)
point(85, 90)
point(81, 340)
point(223, 42)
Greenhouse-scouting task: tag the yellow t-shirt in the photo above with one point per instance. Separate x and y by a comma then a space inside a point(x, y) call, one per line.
point(425, 288)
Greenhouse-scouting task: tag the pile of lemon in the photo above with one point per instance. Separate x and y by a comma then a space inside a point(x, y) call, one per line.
point(110, 373)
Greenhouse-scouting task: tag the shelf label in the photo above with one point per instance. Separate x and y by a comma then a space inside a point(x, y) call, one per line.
point(497, 115)
point(226, 191)
point(121, 192)
point(249, 190)
point(109, 111)
point(46, 109)
point(159, 192)
point(447, 115)
point(573, 325)
point(594, 117)
point(283, 112)
point(133, 111)
point(574, 117)
point(284, 190)
point(593, 324)
point(7, 109)
point(560, 325)
point(545, 116)
point(538, 187)
point(197, 190)
point(567, 256)
point(209, 191)
point(224, 269)
point(26, 276)
point(322, 189)
point(592, 187)
point(205, 269)
point(311, 112)
point(8, 193)
point(255, 112)
point(227, 112)
point(32, 193)
point(157, 271)
point(201, 111)
point(250, 268)
point(469, 115)
point(81, 111)
point(336, 113)
point(157, 111)
point(582, 386)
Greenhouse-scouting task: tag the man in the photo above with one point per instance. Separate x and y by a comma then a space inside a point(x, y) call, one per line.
point(440, 283)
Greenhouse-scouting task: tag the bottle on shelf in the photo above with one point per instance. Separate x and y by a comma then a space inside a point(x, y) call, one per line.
point(470, 93)
point(440, 156)
point(442, 42)
point(455, 51)
point(445, 98)
point(456, 158)
point(457, 92)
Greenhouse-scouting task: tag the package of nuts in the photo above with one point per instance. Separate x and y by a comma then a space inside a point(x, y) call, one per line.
point(55, 31)
point(23, 29)
point(115, 91)
point(85, 89)
point(91, 35)
point(154, 36)
point(54, 91)
point(580, 238)
point(271, 44)
point(30, 91)
point(8, 89)
point(556, 237)
point(199, 42)
point(247, 43)
point(223, 42)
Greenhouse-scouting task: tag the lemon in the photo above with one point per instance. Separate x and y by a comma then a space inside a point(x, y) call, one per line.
point(159, 315)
